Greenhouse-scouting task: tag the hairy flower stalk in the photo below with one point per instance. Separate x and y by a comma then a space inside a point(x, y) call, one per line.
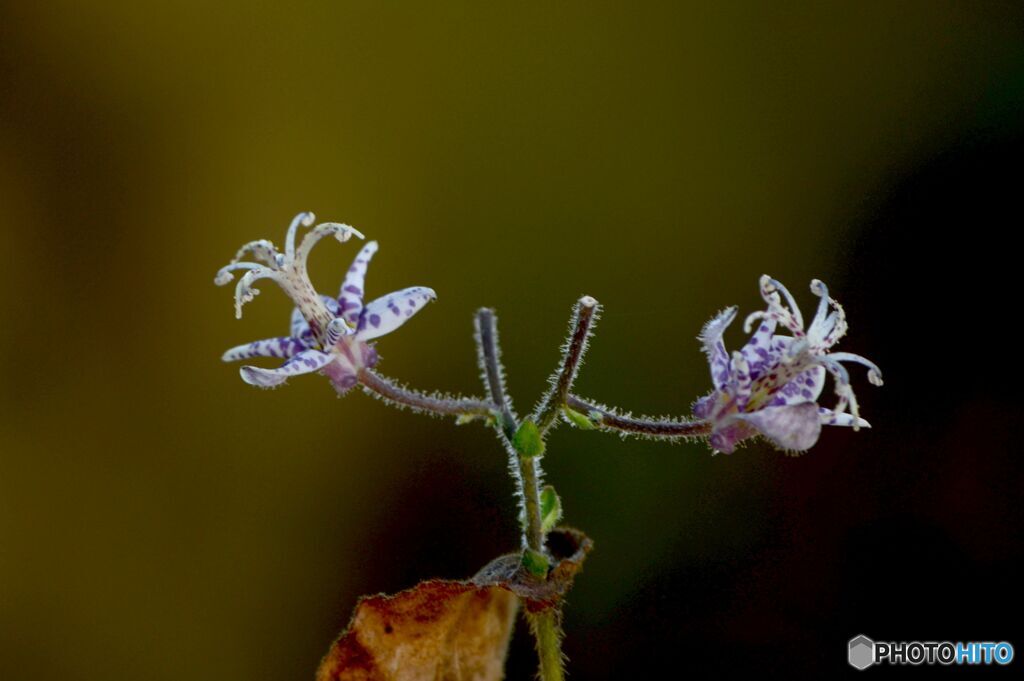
point(769, 388)
point(611, 419)
point(584, 316)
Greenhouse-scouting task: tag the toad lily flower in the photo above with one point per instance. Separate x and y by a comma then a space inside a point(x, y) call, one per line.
point(329, 335)
point(771, 386)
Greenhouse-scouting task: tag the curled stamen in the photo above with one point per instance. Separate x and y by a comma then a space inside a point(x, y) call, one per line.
point(819, 289)
point(777, 310)
point(748, 323)
point(341, 232)
point(771, 286)
point(224, 275)
point(874, 373)
point(826, 328)
point(303, 219)
point(244, 292)
point(843, 389)
point(263, 250)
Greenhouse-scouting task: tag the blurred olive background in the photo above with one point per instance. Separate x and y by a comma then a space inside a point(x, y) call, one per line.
point(160, 519)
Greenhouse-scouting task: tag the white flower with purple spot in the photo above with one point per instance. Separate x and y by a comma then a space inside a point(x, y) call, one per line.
point(329, 335)
point(772, 385)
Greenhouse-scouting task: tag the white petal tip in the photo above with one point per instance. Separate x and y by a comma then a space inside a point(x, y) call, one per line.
point(223, 278)
point(254, 376)
point(588, 301)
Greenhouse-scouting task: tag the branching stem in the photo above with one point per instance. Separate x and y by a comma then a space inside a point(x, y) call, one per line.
point(545, 625)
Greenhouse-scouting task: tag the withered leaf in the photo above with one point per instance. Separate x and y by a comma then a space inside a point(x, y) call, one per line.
point(445, 630)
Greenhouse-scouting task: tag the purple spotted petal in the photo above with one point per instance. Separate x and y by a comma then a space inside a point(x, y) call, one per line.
point(305, 362)
point(794, 427)
point(804, 387)
point(272, 347)
point(350, 298)
point(389, 312)
point(758, 351)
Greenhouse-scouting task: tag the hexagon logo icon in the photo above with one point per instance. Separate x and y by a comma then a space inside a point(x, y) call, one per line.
point(861, 652)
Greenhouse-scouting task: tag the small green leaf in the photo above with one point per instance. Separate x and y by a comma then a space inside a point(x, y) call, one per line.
point(550, 508)
point(579, 420)
point(527, 440)
point(535, 562)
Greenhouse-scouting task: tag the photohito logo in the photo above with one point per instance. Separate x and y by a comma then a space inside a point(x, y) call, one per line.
point(862, 652)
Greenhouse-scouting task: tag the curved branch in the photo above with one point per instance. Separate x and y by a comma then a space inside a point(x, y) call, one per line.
point(435, 404)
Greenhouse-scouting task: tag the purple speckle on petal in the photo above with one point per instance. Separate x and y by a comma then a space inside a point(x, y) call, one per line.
point(375, 320)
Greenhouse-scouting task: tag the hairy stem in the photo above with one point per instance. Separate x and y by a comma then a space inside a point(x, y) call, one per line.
point(422, 402)
point(666, 429)
point(544, 625)
point(583, 317)
point(533, 534)
point(547, 632)
point(494, 375)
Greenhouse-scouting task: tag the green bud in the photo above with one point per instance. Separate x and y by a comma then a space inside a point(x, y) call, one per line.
point(550, 508)
point(527, 440)
point(579, 420)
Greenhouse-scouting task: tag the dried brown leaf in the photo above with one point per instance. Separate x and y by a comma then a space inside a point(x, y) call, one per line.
point(448, 630)
point(442, 630)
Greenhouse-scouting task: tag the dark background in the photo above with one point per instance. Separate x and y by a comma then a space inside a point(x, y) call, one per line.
point(160, 519)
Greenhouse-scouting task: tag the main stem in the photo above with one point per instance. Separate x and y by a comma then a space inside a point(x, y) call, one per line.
point(544, 625)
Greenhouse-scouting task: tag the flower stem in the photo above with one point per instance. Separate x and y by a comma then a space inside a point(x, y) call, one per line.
point(533, 534)
point(662, 429)
point(583, 317)
point(547, 632)
point(544, 625)
point(494, 376)
point(391, 392)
